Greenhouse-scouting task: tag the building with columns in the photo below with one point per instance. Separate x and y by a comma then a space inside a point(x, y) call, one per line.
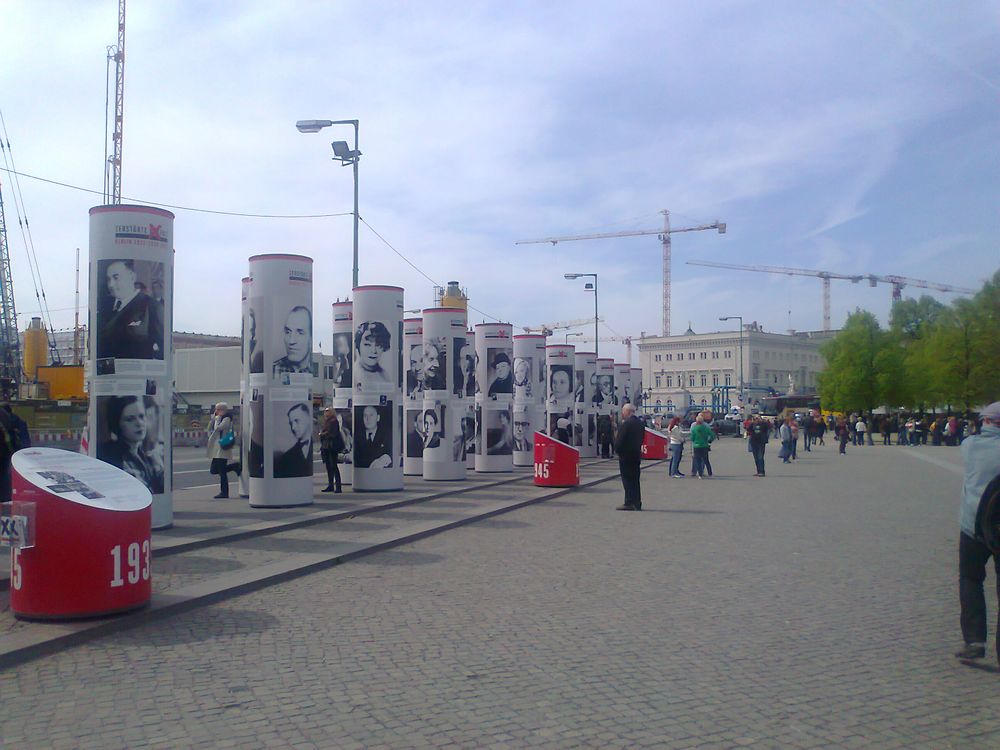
point(682, 371)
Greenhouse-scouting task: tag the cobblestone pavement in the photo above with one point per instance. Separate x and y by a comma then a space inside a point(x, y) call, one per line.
point(814, 608)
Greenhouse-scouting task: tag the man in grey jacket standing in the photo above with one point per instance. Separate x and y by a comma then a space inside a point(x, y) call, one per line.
point(981, 454)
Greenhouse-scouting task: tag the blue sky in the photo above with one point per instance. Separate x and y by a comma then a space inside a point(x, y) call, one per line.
point(850, 137)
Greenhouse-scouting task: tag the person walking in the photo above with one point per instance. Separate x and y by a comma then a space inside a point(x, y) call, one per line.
point(886, 427)
point(843, 435)
point(628, 446)
point(331, 445)
point(785, 432)
point(701, 438)
point(808, 429)
point(860, 428)
point(677, 438)
point(981, 455)
point(221, 440)
point(821, 430)
point(757, 437)
point(794, 425)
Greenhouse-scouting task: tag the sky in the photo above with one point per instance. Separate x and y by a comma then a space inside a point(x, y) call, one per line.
point(841, 136)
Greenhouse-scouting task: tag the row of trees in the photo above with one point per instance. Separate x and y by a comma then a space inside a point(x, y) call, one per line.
point(932, 356)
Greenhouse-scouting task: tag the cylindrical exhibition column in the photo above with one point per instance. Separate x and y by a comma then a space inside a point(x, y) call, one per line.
point(246, 336)
point(586, 412)
point(529, 395)
point(343, 383)
point(470, 391)
point(623, 378)
point(413, 396)
point(560, 365)
point(130, 357)
point(605, 403)
point(636, 387)
point(378, 388)
point(444, 389)
point(494, 401)
point(280, 382)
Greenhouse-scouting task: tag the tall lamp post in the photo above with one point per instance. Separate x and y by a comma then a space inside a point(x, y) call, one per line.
point(739, 318)
point(345, 156)
point(594, 288)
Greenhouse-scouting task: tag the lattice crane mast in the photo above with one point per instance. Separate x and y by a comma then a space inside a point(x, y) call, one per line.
point(113, 183)
point(663, 234)
point(10, 355)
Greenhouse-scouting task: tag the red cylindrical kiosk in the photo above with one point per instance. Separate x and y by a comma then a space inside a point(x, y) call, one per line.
point(556, 464)
point(654, 444)
point(91, 553)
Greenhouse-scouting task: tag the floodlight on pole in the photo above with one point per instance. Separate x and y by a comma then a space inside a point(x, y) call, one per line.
point(590, 288)
point(347, 157)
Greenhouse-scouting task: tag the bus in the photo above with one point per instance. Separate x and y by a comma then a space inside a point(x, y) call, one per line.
point(781, 406)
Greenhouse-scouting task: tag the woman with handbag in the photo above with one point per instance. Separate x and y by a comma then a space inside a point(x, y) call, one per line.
point(331, 445)
point(221, 440)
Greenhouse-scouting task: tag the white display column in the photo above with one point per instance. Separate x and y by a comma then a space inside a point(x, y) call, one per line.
point(585, 416)
point(495, 399)
point(623, 378)
point(130, 353)
point(444, 405)
point(280, 382)
point(378, 388)
point(529, 395)
point(605, 403)
point(244, 442)
point(471, 390)
point(560, 366)
point(343, 383)
point(413, 397)
point(636, 388)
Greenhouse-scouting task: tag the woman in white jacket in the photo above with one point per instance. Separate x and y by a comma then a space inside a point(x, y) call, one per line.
point(677, 438)
point(219, 426)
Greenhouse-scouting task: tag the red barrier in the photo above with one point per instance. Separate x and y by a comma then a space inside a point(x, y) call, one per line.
point(556, 463)
point(91, 553)
point(655, 445)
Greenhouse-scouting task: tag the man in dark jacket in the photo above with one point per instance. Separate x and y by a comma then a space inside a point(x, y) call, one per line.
point(628, 446)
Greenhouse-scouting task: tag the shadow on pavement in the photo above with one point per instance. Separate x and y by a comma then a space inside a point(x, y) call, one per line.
point(982, 667)
point(195, 564)
point(211, 622)
point(391, 557)
point(679, 510)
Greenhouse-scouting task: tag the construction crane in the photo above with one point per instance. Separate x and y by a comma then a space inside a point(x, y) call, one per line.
point(546, 329)
point(113, 183)
point(627, 340)
point(10, 355)
point(663, 234)
point(898, 282)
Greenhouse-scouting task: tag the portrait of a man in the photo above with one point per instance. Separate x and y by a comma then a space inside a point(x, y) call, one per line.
point(500, 375)
point(373, 437)
point(130, 322)
point(297, 338)
point(297, 460)
point(342, 375)
point(415, 372)
point(522, 434)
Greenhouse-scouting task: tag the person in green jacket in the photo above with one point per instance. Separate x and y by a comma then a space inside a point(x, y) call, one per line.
point(701, 436)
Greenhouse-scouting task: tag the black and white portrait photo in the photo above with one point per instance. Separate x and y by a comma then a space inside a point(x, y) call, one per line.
point(131, 436)
point(468, 438)
point(561, 426)
point(435, 364)
point(605, 395)
point(523, 377)
point(464, 376)
point(342, 375)
point(479, 429)
point(255, 453)
point(434, 426)
point(414, 422)
point(296, 338)
point(346, 419)
point(372, 340)
point(499, 372)
point(415, 385)
point(560, 383)
point(255, 350)
point(499, 433)
point(578, 395)
point(293, 455)
point(523, 436)
point(373, 436)
point(130, 322)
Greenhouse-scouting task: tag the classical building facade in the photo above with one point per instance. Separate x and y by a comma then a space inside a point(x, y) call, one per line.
point(688, 370)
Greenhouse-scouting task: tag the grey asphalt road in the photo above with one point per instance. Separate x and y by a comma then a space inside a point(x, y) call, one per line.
point(814, 608)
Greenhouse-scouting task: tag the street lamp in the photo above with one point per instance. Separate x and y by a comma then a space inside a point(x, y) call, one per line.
point(566, 339)
point(592, 287)
point(739, 318)
point(346, 156)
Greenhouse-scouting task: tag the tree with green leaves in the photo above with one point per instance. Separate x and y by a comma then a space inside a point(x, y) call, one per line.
point(863, 364)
